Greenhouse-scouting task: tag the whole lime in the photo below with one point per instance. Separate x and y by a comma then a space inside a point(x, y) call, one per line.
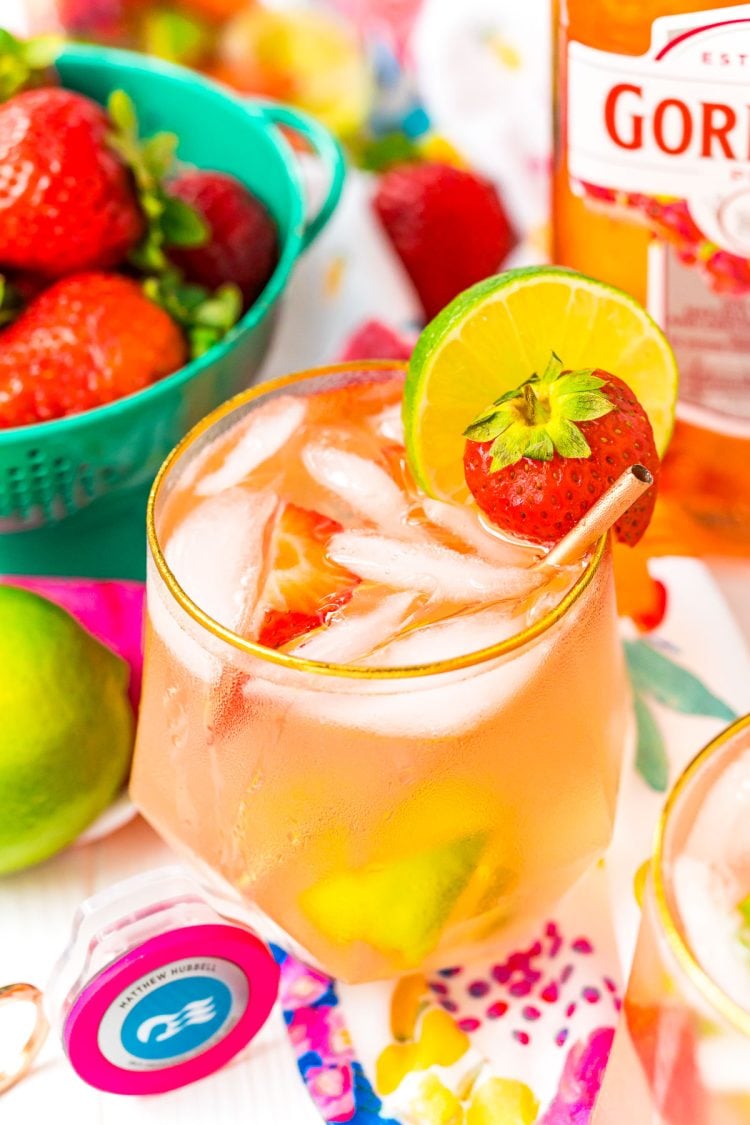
point(66, 732)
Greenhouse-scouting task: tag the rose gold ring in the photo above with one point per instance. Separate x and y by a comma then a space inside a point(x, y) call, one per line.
point(28, 994)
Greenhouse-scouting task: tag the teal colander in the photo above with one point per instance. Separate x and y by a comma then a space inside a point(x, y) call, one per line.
point(73, 491)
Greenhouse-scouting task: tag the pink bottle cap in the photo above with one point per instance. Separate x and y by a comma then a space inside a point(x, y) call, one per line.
point(171, 1010)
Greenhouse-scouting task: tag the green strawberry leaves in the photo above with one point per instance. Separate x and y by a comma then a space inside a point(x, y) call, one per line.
point(11, 302)
point(204, 317)
point(539, 419)
point(180, 224)
point(567, 438)
point(655, 677)
point(577, 396)
point(169, 221)
point(122, 114)
point(25, 64)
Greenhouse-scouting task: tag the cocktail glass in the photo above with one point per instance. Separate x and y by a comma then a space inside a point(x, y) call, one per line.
point(379, 819)
point(681, 1054)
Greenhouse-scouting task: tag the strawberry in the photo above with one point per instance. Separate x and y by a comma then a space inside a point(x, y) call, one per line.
point(67, 200)
point(640, 596)
point(243, 243)
point(539, 457)
point(303, 587)
point(88, 339)
point(106, 21)
point(448, 226)
point(375, 340)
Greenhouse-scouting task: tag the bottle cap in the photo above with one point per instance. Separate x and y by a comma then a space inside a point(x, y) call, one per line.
point(171, 1010)
point(159, 986)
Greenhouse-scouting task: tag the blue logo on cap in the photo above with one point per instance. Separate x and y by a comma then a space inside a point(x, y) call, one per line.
point(177, 1018)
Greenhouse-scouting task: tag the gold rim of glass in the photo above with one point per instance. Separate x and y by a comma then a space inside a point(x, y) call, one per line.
point(719, 1000)
point(297, 663)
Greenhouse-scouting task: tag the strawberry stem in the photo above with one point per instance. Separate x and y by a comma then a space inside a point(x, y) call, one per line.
point(169, 221)
point(538, 419)
point(535, 409)
point(530, 404)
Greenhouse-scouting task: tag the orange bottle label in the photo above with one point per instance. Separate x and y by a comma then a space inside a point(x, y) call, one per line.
point(663, 140)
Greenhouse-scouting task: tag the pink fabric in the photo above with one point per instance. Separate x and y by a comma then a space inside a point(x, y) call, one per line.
point(111, 611)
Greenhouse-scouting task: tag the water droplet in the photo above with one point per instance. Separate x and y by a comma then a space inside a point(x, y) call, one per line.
point(176, 716)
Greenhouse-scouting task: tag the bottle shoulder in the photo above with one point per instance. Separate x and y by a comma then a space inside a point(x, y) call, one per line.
point(622, 26)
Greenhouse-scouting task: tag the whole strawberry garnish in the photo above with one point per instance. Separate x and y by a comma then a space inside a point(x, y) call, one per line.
point(67, 200)
point(542, 455)
point(88, 339)
point(242, 245)
point(448, 226)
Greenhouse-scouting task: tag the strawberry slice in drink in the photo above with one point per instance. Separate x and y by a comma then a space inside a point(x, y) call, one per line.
point(303, 587)
point(299, 590)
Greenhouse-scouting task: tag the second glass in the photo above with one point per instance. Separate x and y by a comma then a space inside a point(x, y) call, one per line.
point(681, 1054)
point(379, 817)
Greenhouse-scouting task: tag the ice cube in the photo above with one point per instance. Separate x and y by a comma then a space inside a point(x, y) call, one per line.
point(707, 897)
point(455, 636)
point(362, 485)
point(175, 633)
point(430, 568)
point(262, 434)
point(389, 424)
point(721, 829)
point(722, 1062)
point(425, 707)
point(353, 633)
point(217, 551)
point(464, 524)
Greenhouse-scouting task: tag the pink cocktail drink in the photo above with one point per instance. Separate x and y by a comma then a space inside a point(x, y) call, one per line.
point(383, 724)
point(681, 1055)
